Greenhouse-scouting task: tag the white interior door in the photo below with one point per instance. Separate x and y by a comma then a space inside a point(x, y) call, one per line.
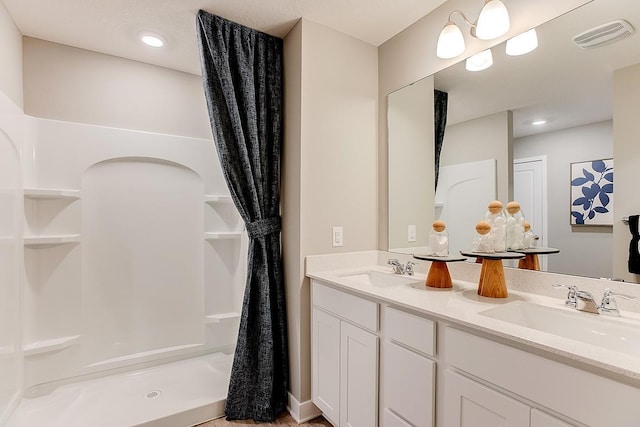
point(530, 190)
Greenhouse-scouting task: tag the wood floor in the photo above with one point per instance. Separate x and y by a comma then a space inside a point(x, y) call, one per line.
point(282, 421)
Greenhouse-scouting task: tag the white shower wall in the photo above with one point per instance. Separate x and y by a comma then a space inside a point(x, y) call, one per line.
point(133, 251)
point(11, 132)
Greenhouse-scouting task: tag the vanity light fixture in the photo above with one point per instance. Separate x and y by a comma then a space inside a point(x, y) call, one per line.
point(522, 43)
point(479, 61)
point(493, 22)
point(151, 39)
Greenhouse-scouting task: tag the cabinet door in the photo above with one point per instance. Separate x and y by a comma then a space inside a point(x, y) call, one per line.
point(359, 379)
point(325, 364)
point(541, 419)
point(470, 404)
point(409, 385)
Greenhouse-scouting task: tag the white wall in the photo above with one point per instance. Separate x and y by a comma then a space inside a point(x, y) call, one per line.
point(76, 85)
point(626, 151)
point(410, 56)
point(485, 138)
point(584, 250)
point(331, 151)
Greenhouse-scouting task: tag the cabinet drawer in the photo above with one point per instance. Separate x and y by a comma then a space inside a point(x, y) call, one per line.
point(360, 311)
point(410, 330)
point(580, 395)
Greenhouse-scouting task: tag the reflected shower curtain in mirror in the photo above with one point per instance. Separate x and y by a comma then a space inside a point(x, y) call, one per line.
point(242, 76)
point(440, 101)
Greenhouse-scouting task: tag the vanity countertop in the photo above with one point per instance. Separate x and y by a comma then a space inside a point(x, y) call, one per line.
point(461, 305)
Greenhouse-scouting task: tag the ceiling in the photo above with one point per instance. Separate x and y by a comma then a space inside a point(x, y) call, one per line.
point(112, 26)
point(559, 82)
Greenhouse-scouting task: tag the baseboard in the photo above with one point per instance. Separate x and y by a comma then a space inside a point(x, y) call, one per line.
point(302, 412)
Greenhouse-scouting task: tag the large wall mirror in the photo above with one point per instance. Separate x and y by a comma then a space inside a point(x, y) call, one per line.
point(493, 147)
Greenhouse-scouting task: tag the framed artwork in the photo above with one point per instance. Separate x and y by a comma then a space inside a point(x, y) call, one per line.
point(592, 192)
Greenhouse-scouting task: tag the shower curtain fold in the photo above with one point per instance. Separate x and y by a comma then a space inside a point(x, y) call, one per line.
point(440, 101)
point(242, 77)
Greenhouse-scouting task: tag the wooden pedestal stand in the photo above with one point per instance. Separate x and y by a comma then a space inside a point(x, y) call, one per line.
point(530, 261)
point(438, 276)
point(492, 283)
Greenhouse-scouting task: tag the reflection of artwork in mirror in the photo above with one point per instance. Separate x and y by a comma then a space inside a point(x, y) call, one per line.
point(592, 192)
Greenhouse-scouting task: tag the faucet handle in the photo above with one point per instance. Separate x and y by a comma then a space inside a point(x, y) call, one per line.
point(572, 300)
point(608, 293)
point(409, 268)
point(609, 305)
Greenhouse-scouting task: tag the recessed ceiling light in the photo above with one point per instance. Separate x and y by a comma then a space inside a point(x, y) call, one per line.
point(151, 39)
point(538, 122)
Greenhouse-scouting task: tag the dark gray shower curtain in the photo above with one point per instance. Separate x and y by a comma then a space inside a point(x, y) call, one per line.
point(440, 101)
point(242, 76)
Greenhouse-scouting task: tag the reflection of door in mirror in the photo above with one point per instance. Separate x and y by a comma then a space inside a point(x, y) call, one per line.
point(411, 166)
point(464, 190)
point(530, 190)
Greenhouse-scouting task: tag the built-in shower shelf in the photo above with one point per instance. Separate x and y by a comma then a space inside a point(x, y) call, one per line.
point(60, 239)
point(221, 317)
point(222, 235)
point(49, 346)
point(212, 199)
point(49, 193)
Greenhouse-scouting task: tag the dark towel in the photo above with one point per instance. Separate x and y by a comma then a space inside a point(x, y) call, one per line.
point(634, 250)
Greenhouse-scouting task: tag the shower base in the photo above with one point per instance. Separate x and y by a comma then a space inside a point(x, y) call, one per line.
point(178, 394)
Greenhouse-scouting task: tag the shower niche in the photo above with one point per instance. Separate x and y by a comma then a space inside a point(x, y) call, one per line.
point(134, 251)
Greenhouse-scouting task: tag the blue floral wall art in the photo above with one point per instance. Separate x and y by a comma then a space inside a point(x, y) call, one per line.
point(592, 192)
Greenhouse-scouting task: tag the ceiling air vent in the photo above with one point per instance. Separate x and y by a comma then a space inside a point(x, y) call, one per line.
point(604, 34)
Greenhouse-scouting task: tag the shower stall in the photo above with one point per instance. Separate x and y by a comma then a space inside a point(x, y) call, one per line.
point(122, 259)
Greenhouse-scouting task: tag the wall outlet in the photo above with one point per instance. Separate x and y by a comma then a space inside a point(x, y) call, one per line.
point(411, 233)
point(337, 237)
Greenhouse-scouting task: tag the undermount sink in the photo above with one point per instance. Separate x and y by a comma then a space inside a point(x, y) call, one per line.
point(380, 279)
point(588, 328)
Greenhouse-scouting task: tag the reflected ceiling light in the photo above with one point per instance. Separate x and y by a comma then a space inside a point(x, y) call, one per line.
point(152, 39)
point(493, 21)
point(479, 61)
point(522, 43)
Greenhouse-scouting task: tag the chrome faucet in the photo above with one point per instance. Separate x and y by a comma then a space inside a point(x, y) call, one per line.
point(584, 301)
point(398, 268)
point(609, 305)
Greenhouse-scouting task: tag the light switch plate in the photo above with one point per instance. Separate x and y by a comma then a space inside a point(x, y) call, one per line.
point(337, 237)
point(411, 233)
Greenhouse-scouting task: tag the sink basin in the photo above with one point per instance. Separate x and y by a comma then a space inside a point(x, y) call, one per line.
point(380, 279)
point(589, 328)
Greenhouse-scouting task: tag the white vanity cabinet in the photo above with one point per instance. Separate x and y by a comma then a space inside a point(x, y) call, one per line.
point(408, 387)
point(344, 357)
point(489, 383)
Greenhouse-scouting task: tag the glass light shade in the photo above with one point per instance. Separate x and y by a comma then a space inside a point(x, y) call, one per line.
point(479, 61)
point(493, 20)
point(522, 43)
point(450, 42)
